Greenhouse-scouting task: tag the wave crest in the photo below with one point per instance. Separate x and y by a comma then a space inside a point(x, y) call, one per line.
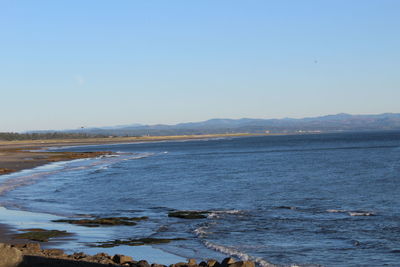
point(239, 254)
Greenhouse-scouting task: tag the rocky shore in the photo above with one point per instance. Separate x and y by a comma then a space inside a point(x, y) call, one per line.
point(32, 255)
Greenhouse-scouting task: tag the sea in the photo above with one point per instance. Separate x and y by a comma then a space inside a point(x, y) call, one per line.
point(284, 200)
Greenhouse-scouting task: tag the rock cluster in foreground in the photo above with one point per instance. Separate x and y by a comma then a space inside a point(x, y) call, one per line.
point(32, 255)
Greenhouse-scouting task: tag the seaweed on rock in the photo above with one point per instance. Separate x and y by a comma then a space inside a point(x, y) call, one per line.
point(40, 235)
point(109, 221)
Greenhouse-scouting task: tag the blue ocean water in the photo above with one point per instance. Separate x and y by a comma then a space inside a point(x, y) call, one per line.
point(306, 200)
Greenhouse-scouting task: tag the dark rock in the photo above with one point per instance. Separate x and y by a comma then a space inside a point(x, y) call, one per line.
point(121, 259)
point(187, 214)
point(142, 263)
point(109, 221)
point(35, 261)
point(101, 256)
point(79, 255)
point(213, 263)
point(286, 207)
point(179, 264)
point(227, 261)
point(242, 264)
point(157, 265)
point(53, 252)
point(203, 264)
point(9, 256)
point(106, 261)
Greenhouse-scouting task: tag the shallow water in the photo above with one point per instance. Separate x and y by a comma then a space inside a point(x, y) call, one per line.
point(328, 199)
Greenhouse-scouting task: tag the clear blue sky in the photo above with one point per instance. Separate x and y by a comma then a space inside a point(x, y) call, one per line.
point(67, 64)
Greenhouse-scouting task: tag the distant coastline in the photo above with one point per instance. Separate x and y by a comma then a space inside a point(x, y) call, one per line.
point(341, 122)
point(27, 154)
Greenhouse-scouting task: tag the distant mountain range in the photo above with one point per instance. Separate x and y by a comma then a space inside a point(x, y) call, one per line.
point(330, 123)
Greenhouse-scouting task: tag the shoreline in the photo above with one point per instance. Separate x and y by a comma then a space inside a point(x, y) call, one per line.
point(27, 154)
point(32, 255)
point(22, 155)
point(12, 226)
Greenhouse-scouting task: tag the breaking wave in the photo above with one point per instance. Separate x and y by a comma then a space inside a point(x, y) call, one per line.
point(353, 213)
point(202, 232)
point(239, 254)
point(27, 177)
point(218, 213)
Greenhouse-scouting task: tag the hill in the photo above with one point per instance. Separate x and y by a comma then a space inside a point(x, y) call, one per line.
point(330, 123)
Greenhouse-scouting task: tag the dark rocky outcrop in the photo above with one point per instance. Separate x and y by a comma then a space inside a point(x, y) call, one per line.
point(142, 263)
point(109, 221)
point(188, 214)
point(31, 255)
point(213, 263)
point(227, 261)
point(121, 259)
point(40, 235)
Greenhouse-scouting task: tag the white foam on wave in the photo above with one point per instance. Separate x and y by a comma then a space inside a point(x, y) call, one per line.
point(236, 253)
point(11, 184)
point(215, 214)
point(336, 211)
point(246, 257)
point(30, 176)
point(203, 231)
point(361, 213)
point(111, 155)
point(12, 181)
point(353, 213)
point(139, 156)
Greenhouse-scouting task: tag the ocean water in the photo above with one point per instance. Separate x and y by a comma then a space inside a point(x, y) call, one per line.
point(300, 200)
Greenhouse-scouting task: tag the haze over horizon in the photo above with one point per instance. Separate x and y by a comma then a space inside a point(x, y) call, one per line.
point(68, 64)
point(386, 121)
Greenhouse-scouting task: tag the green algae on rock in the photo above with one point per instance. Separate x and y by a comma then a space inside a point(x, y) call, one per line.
point(109, 221)
point(40, 235)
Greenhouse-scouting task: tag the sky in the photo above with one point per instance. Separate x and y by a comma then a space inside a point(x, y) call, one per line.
point(71, 63)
